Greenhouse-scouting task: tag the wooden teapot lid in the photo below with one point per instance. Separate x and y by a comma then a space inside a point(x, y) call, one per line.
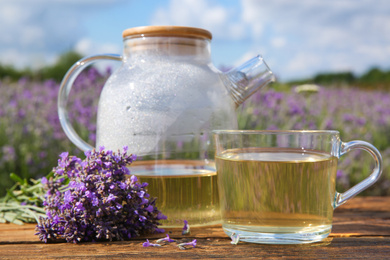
point(176, 31)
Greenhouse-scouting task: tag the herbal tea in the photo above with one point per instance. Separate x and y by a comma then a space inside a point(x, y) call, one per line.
point(185, 190)
point(276, 190)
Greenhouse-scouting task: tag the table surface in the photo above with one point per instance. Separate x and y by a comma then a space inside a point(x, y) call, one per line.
point(361, 229)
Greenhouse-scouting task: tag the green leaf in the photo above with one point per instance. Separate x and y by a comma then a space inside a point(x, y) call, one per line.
point(16, 178)
point(11, 194)
point(51, 174)
point(12, 218)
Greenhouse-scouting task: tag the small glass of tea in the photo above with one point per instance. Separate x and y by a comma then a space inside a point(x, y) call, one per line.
point(279, 187)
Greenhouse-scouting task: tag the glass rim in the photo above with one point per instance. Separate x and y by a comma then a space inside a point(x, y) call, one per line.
point(217, 132)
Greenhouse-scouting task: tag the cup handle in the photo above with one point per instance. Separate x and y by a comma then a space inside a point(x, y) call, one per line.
point(66, 86)
point(341, 198)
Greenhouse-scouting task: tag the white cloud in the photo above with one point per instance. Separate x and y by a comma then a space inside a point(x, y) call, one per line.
point(210, 15)
point(317, 35)
point(33, 33)
point(278, 42)
point(86, 46)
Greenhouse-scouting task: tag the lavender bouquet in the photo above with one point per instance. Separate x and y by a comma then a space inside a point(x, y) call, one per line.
point(94, 199)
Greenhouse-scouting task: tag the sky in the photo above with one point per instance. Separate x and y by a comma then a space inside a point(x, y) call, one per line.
point(298, 39)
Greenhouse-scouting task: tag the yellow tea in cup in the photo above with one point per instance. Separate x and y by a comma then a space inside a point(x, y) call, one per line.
point(279, 187)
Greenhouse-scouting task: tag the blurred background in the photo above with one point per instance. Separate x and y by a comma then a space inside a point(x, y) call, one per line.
point(331, 59)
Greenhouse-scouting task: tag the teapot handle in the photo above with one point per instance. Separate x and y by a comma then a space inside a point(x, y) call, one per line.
point(63, 95)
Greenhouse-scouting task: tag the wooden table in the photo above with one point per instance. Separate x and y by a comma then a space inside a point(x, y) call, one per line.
point(361, 229)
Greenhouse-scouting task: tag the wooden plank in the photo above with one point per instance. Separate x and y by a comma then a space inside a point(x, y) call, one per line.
point(367, 227)
point(364, 204)
point(331, 248)
point(362, 216)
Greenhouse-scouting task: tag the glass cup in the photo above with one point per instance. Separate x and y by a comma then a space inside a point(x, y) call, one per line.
point(279, 187)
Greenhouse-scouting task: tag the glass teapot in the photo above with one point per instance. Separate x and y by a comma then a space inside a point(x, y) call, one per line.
point(163, 102)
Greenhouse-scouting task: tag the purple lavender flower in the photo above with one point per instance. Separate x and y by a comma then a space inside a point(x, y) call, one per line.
point(183, 245)
point(149, 208)
point(133, 179)
point(44, 181)
point(329, 124)
point(161, 216)
point(165, 239)
point(349, 118)
point(111, 197)
point(339, 174)
point(186, 228)
point(361, 121)
point(45, 230)
point(147, 244)
point(96, 205)
point(68, 198)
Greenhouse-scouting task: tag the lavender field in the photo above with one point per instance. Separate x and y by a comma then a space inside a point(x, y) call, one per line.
point(31, 137)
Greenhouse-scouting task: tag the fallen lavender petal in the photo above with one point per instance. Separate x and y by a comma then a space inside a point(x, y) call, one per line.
point(147, 244)
point(182, 246)
point(165, 239)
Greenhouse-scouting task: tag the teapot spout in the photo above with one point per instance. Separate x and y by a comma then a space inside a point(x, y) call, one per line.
point(247, 78)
